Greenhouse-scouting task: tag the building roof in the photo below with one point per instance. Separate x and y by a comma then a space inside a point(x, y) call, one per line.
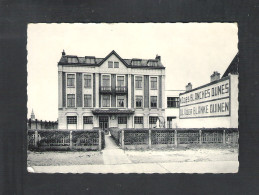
point(233, 66)
point(93, 61)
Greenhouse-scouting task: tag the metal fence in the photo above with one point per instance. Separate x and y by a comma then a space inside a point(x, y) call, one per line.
point(65, 139)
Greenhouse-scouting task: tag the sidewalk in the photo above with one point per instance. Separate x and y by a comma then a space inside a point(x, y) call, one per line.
point(172, 167)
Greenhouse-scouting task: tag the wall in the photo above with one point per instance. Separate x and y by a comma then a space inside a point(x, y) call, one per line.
point(222, 121)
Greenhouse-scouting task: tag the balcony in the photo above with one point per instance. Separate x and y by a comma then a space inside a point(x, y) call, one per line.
point(105, 89)
point(121, 89)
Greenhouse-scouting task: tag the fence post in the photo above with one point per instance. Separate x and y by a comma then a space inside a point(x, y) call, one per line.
point(122, 139)
point(200, 136)
point(36, 139)
point(175, 138)
point(224, 136)
point(149, 139)
point(70, 140)
point(100, 139)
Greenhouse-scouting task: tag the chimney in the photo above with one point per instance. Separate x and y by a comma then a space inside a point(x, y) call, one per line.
point(188, 87)
point(63, 53)
point(215, 76)
point(158, 57)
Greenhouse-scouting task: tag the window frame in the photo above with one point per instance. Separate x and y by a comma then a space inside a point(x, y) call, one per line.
point(138, 122)
point(152, 82)
point(117, 103)
point(151, 101)
point(74, 122)
point(69, 94)
point(91, 101)
point(109, 101)
point(136, 97)
point(88, 87)
point(138, 81)
point(87, 122)
point(110, 62)
point(74, 80)
point(124, 122)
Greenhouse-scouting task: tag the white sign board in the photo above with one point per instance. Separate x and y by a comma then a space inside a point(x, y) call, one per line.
point(212, 100)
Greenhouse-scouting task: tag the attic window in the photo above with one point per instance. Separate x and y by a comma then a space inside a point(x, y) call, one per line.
point(72, 60)
point(152, 63)
point(90, 60)
point(136, 62)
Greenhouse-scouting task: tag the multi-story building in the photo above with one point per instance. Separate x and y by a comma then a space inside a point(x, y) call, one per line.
point(110, 92)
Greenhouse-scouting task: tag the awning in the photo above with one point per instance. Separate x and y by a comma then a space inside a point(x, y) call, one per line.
point(112, 111)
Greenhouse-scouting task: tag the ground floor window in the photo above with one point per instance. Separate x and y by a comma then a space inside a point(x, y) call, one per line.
point(169, 122)
point(122, 120)
point(138, 120)
point(152, 121)
point(88, 119)
point(71, 120)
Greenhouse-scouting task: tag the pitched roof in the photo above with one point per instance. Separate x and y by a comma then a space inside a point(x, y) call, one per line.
point(233, 66)
point(84, 61)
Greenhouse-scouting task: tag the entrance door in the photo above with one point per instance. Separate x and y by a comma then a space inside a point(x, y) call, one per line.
point(104, 123)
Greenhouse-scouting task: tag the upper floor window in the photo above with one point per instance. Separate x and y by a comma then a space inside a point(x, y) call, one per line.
point(173, 102)
point(116, 64)
point(87, 100)
point(122, 120)
point(153, 101)
point(136, 62)
point(89, 60)
point(152, 63)
point(87, 81)
point(138, 82)
point(71, 120)
point(88, 120)
point(138, 119)
point(71, 80)
point(120, 81)
point(139, 100)
point(70, 100)
point(106, 101)
point(120, 101)
point(106, 80)
point(153, 82)
point(110, 64)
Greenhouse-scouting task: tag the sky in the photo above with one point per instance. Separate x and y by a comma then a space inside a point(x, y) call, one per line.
point(189, 51)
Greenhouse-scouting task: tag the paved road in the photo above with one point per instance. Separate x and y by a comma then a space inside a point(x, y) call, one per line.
point(172, 167)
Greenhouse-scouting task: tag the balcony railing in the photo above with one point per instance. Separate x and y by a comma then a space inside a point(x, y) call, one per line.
point(105, 89)
point(121, 89)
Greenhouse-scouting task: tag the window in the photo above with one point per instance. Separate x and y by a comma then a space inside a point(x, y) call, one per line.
point(120, 101)
point(90, 60)
point(88, 120)
point(87, 100)
point(106, 81)
point(152, 63)
point(153, 119)
point(138, 120)
point(71, 120)
point(153, 101)
point(120, 81)
point(173, 102)
point(136, 62)
point(110, 64)
point(122, 120)
point(138, 82)
point(70, 80)
point(106, 101)
point(116, 64)
point(72, 60)
point(139, 100)
point(169, 122)
point(70, 100)
point(87, 81)
point(153, 82)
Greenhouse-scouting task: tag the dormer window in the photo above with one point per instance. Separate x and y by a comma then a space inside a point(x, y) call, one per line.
point(72, 60)
point(90, 60)
point(152, 63)
point(136, 62)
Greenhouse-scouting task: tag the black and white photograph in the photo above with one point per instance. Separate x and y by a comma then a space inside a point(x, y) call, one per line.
point(132, 98)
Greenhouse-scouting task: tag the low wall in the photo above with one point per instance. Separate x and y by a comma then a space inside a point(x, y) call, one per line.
point(65, 140)
point(162, 138)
